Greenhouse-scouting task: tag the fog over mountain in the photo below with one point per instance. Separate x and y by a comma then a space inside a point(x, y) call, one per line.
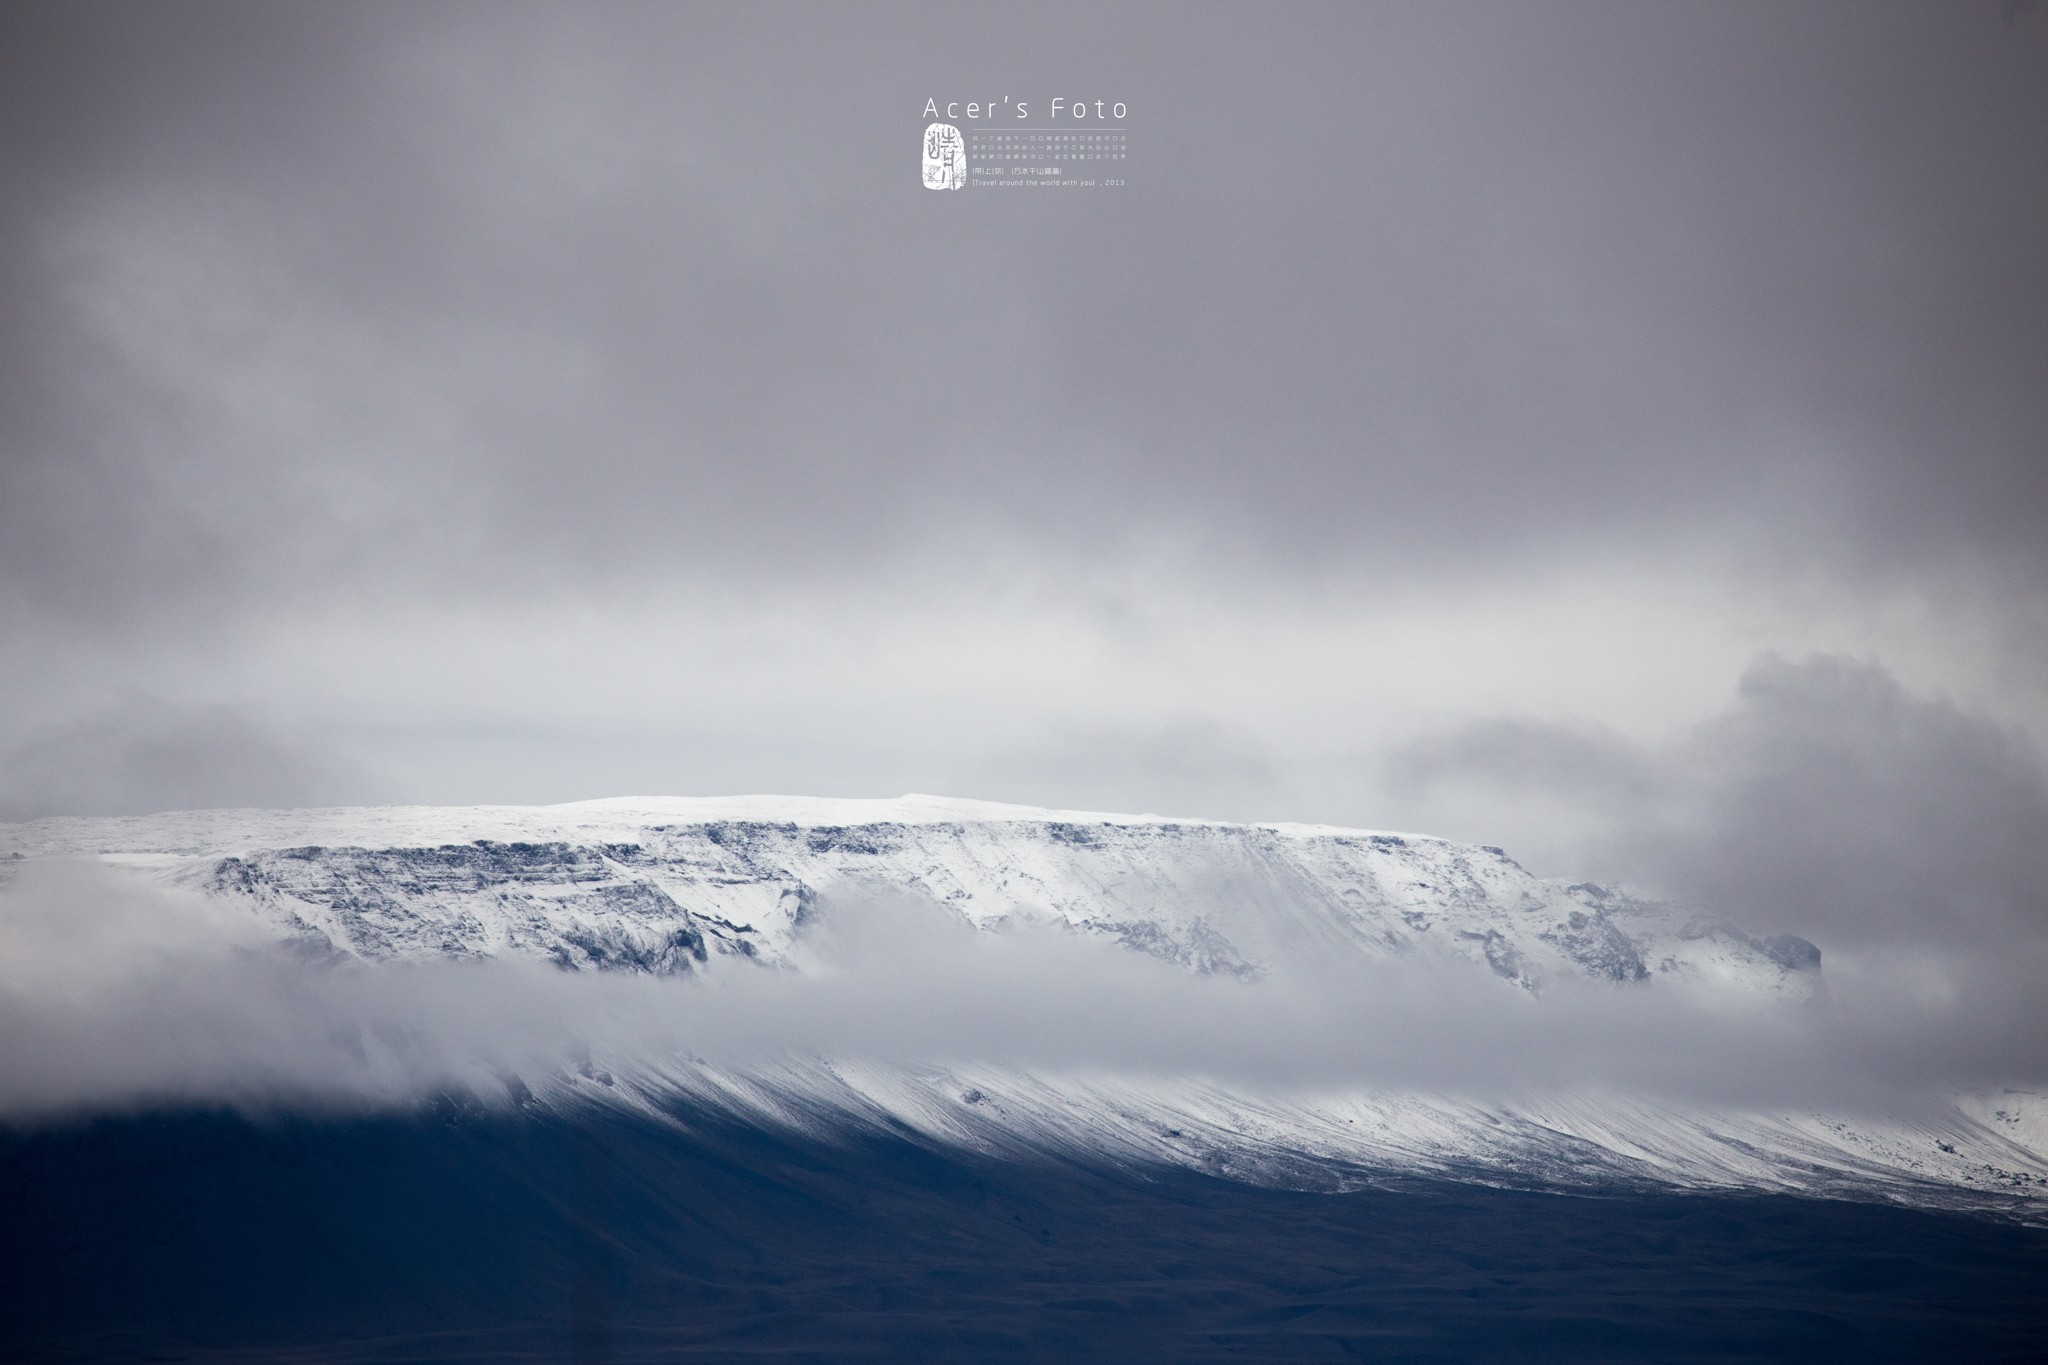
point(1608, 432)
point(1288, 1004)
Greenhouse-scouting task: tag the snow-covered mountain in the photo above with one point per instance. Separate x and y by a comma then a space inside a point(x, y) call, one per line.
point(674, 886)
point(718, 888)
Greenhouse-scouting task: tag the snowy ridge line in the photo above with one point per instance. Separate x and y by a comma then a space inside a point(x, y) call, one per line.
point(197, 832)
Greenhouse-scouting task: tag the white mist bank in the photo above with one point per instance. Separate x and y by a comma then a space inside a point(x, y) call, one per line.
point(115, 993)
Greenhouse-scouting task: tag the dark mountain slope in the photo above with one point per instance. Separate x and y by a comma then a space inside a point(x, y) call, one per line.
point(460, 1236)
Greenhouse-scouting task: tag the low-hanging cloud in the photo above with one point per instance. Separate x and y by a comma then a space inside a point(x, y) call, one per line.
point(1826, 798)
point(118, 995)
point(1905, 835)
point(1832, 799)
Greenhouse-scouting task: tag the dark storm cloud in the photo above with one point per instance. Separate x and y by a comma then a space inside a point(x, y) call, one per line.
point(1904, 835)
point(307, 299)
point(1833, 799)
point(1827, 800)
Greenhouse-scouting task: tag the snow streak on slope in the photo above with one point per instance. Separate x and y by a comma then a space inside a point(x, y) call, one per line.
point(1292, 1003)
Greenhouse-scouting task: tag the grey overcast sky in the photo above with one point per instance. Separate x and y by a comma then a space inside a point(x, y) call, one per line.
point(1523, 420)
